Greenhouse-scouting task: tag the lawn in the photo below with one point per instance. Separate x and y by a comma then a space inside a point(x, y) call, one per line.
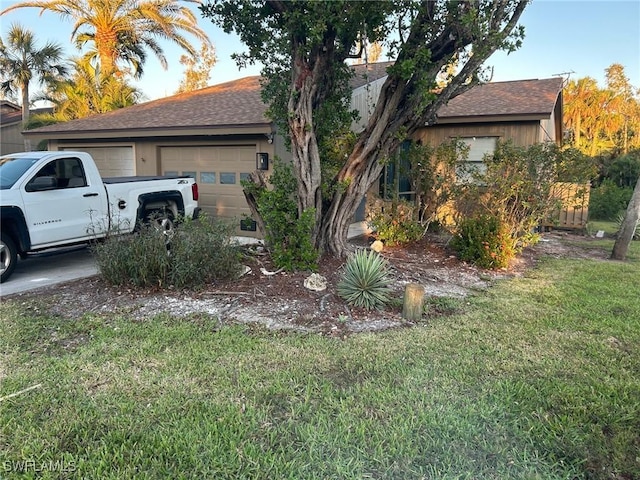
point(538, 378)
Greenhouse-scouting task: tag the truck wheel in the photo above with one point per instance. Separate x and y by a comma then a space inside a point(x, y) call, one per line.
point(161, 220)
point(8, 257)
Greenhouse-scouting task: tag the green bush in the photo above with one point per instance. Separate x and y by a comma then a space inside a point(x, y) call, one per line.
point(484, 241)
point(288, 235)
point(608, 200)
point(365, 280)
point(394, 223)
point(196, 253)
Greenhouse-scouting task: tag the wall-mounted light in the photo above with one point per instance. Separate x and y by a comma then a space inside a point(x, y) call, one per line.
point(248, 225)
point(269, 137)
point(262, 161)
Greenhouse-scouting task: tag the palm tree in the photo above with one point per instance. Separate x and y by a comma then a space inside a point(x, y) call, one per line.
point(86, 93)
point(21, 61)
point(121, 30)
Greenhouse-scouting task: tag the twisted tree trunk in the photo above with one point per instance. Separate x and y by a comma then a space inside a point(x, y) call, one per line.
point(629, 225)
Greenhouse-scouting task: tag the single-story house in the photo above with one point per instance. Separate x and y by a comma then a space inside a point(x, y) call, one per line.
point(11, 139)
point(220, 134)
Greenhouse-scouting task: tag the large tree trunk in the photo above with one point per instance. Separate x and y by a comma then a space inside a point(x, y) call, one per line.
point(629, 226)
point(304, 144)
point(25, 114)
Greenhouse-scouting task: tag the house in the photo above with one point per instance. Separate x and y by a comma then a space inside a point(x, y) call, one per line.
point(11, 138)
point(220, 134)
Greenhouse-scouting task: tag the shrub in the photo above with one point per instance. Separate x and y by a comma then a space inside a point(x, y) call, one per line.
point(520, 186)
point(393, 222)
point(288, 235)
point(365, 280)
point(608, 200)
point(196, 253)
point(484, 241)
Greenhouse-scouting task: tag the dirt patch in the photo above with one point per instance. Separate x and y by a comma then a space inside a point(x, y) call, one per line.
point(280, 300)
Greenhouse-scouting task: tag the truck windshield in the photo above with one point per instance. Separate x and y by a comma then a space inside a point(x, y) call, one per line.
point(12, 168)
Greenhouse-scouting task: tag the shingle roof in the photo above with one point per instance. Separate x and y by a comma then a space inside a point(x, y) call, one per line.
point(518, 97)
point(235, 103)
point(368, 73)
point(238, 103)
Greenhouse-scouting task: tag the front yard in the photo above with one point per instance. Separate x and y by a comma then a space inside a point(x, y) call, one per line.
point(537, 377)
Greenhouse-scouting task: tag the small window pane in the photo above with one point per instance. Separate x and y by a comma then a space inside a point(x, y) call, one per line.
point(190, 174)
point(245, 176)
point(207, 177)
point(228, 178)
point(171, 173)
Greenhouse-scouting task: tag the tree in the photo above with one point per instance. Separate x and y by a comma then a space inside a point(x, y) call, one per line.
point(603, 120)
point(304, 46)
point(86, 93)
point(21, 61)
point(624, 107)
point(198, 69)
point(629, 225)
point(120, 30)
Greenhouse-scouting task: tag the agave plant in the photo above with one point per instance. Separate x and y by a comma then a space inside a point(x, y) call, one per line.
point(365, 280)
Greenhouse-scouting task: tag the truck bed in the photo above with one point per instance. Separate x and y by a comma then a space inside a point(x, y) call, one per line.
point(112, 180)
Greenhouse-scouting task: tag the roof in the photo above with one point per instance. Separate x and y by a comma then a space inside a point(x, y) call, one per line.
point(368, 73)
point(515, 98)
point(235, 103)
point(238, 104)
point(12, 116)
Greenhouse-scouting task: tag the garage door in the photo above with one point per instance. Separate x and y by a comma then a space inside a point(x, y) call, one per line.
point(111, 161)
point(218, 171)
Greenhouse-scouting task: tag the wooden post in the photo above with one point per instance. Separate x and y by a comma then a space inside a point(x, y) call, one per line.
point(413, 302)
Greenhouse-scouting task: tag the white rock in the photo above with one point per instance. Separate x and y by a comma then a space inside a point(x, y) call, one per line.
point(315, 282)
point(377, 246)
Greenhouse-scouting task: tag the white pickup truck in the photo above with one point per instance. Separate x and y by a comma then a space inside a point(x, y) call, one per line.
point(54, 199)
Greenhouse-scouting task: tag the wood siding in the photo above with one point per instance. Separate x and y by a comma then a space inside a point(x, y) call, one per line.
point(522, 133)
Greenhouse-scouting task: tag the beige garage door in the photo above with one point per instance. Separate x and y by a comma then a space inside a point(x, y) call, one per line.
point(111, 161)
point(218, 171)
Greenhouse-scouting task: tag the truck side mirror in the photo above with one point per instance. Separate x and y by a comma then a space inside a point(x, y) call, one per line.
point(39, 184)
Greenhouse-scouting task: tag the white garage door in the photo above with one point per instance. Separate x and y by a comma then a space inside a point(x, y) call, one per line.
point(218, 171)
point(111, 161)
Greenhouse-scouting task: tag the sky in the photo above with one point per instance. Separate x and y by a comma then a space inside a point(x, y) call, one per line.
point(571, 38)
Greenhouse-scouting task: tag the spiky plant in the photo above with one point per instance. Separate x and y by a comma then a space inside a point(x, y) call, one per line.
point(365, 280)
point(620, 221)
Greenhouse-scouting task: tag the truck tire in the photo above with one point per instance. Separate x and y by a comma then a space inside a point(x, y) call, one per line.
point(8, 256)
point(161, 220)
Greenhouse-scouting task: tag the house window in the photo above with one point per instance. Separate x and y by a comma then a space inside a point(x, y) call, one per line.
point(395, 181)
point(227, 178)
point(478, 148)
point(207, 177)
point(190, 174)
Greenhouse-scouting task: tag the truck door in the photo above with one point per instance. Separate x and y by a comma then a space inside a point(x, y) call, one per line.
point(60, 205)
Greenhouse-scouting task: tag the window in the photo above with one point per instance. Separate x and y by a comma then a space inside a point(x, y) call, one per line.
point(58, 174)
point(395, 181)
point(207, 177)
point(190, 174)
point(227, 178)
point(478, 148)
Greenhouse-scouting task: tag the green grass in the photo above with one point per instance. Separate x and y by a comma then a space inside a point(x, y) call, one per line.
point(538, 378)
point(608, 227)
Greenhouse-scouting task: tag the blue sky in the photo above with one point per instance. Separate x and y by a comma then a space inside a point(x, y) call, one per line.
point(579, 36)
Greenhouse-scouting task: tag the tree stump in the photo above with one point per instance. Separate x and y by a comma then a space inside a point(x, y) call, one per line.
point(413, 302)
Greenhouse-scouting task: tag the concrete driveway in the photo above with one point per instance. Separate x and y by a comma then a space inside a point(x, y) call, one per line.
point(49, 268)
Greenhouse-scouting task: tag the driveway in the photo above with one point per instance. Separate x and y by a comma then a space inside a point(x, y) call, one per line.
point(49, 268)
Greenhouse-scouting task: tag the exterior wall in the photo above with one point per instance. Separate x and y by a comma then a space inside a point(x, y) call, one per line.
point(364, 101)
point(522, 133)
point(11, 139)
